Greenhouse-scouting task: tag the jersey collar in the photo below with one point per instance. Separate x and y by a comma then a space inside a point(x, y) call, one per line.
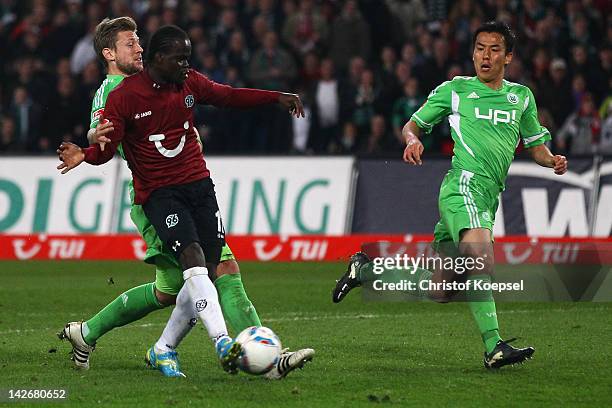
point(500, 89)
point(154, 84)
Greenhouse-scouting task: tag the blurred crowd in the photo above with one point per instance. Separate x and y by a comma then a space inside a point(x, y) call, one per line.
point(361, 67)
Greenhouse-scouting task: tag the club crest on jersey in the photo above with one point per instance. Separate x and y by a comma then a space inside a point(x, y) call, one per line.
point(189, 101)
point(513, 99)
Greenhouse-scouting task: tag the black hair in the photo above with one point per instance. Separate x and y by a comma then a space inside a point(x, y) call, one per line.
point(164, 39)
point(500, 28)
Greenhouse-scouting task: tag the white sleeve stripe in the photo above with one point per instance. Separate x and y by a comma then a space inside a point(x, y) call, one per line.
point(526, 103)
point(414, 115)
point(530, 139)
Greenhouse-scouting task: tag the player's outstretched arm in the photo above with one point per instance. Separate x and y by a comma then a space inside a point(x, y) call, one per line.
point(215, 94)
point(414, 147)
point(542, 155)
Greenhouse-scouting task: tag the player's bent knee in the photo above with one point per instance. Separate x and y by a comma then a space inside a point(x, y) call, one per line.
point(229, 267)
point(165, 299)
point(192, 256)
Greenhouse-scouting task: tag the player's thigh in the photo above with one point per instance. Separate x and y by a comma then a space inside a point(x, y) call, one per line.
point(168, 274)
point(147, 232)
point(207, 219)
point(170, 215)
point(464, 205)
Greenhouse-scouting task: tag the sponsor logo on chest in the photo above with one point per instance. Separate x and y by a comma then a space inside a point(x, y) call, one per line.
point(497, 116)
point(142, 115)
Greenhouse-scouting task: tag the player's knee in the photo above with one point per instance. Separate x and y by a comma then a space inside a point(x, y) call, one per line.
point(229, 267)
point(165, 299)
point(192, 256)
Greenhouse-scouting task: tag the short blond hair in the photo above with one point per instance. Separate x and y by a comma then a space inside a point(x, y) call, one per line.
point(105, 35)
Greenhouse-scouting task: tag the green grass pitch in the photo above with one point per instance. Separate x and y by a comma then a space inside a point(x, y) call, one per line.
point(368, 354)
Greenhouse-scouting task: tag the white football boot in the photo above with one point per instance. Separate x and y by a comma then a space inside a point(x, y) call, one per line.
point(289, 361)
point(80, 349)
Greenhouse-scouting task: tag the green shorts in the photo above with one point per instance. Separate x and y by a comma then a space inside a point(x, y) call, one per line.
point(466, 201)
point(168, 273)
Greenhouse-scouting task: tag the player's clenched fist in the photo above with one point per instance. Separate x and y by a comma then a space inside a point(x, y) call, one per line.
point(71, 156)
point(559, 164)
point(413, 151)
point(292, 103)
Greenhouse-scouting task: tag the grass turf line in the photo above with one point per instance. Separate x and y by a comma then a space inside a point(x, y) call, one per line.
point(402, 354)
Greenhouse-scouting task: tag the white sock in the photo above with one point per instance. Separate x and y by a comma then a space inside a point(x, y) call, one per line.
point(204, 298)
point(182, 319)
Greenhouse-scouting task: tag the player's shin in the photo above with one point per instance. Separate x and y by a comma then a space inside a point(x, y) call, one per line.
point(204, 299)
point(237, 308)
point(482, 306)
point(182, 319)
point(128, 307)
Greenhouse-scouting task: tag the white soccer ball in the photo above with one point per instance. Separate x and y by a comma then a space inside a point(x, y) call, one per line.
point(261, 349)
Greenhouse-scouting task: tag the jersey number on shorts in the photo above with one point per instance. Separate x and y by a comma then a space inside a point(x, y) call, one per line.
point(220, 228)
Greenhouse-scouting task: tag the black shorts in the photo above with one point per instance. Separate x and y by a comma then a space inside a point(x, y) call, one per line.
point(187, 213)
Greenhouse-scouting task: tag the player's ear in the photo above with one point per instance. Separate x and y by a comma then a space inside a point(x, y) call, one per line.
point(108, 54)
point(508, 58)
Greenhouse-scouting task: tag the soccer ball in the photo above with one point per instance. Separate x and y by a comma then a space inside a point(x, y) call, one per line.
point(261, 349)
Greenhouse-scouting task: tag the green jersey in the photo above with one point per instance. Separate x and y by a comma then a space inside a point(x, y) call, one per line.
point(99, 101)
point(486, 124)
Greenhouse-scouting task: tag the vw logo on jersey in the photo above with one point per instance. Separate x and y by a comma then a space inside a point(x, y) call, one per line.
point(513, 99)
point(189, 101)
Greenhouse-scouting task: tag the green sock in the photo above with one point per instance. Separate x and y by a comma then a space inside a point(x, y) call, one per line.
point(482, 307)
point(128, 307)
point(366, 274)
point(235, 304)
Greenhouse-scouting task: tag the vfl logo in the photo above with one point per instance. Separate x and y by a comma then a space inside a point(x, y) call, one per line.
point(485, 216)
point(189, 101)
point(172, 220)
point(201, 305)
point(513, 99)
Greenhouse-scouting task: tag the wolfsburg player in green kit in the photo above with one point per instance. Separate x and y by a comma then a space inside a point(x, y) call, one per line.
point(117, 45)
point(488, 117)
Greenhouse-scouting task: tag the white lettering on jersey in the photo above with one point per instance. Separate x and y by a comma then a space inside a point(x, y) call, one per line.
point(496, 115)
point(142, 115)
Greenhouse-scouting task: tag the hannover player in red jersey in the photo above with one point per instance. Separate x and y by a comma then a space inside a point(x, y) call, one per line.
point(152, 117)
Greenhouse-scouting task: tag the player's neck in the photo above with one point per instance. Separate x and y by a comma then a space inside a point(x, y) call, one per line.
point(155, 76)
point(495, 84)
point(114, 70)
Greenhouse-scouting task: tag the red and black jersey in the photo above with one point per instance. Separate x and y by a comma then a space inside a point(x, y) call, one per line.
point(155, 126)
